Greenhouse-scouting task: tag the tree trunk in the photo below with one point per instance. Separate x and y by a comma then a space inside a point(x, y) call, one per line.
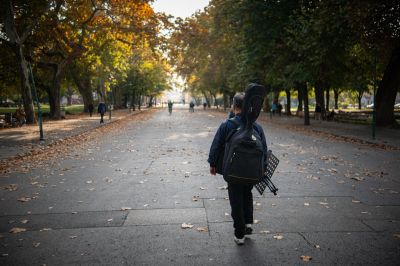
point(8, 23)
point(304, 91)
point(288, 103)
point(387, 90)
point(226, 100)
point(319, 95)
point(54, 100)
point(300, 100)
point(336, 97)
point(85, 89)
point(151, 101)
point(327, 96)
point(25, 86)
point(266, 105)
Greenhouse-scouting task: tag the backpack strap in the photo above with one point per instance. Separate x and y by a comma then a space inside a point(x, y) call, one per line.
point(237, 126)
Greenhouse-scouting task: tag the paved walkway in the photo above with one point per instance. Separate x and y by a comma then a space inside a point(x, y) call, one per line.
point(142, 195)
point(385, 137)
point(19, 141)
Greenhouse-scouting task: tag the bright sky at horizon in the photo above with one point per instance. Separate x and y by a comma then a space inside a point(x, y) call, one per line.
point(179, 8)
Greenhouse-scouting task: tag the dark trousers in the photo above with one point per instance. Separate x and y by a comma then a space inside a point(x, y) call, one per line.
point(241, 200)
point(101, 117)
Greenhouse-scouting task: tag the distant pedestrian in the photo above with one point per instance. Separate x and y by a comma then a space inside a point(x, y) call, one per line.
point(101, 109)
point(204, 106)
point(170, 104)
point(318, 112)
point(191, 107)
point(90, 108)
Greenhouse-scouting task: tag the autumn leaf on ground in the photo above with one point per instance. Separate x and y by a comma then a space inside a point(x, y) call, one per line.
point(195, 198)
point(355, 201)
point(10, 187)
point(24, 221)
point(126, 208)
point(202, 229)
point(264, 232)
point(306, 204)
point(16, 230)
point(73, 237)
point(278, 237)
point(203, 188)
point(35, 244)
point(305, 258)
point(24, 199)
point(186, 226)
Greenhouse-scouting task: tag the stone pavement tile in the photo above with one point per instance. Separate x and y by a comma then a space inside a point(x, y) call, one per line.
point(384, 225)
point(150, 245)
point(218, 210)
point(303, 215)
point(355, 248)
point(63, 220)
point(195, 216)
point(260, 248)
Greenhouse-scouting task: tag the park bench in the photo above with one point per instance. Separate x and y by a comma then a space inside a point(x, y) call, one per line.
point(355, 118)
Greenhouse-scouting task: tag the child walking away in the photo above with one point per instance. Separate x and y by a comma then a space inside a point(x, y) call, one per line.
point(238, 152)
point(101, 109)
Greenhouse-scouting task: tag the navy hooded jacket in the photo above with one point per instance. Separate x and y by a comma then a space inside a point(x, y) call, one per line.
point(224, 129)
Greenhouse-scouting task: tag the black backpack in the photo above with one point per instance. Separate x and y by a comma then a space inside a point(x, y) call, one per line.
point(244, 158)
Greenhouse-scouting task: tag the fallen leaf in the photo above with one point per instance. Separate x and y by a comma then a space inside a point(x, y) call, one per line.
point(203, 188)
point(24, 199)
point(357, 178)
point(212, 199)
point(35, 244)
point(126, 208)
point(45, 229)
point(317, 246)
point(16, 230)
point(226, 214)
point(355, 201)
point(110, 220)
point(264, 232)
point(306, 204)
point(278, 237)
point(186, 226)
point(24, 221)
point(305, 258)
point(89, 182)
point(256, 221)
point(10, 187)
point(324, 203)
point(195, 198)
point(72, 237)
point(223, 187)
point(202, 229)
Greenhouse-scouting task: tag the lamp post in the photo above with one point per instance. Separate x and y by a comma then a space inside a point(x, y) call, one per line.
point(38, 105)
point(374, 102)
point(111, 105)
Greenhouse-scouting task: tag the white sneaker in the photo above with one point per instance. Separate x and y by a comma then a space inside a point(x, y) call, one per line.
point(239, 241)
